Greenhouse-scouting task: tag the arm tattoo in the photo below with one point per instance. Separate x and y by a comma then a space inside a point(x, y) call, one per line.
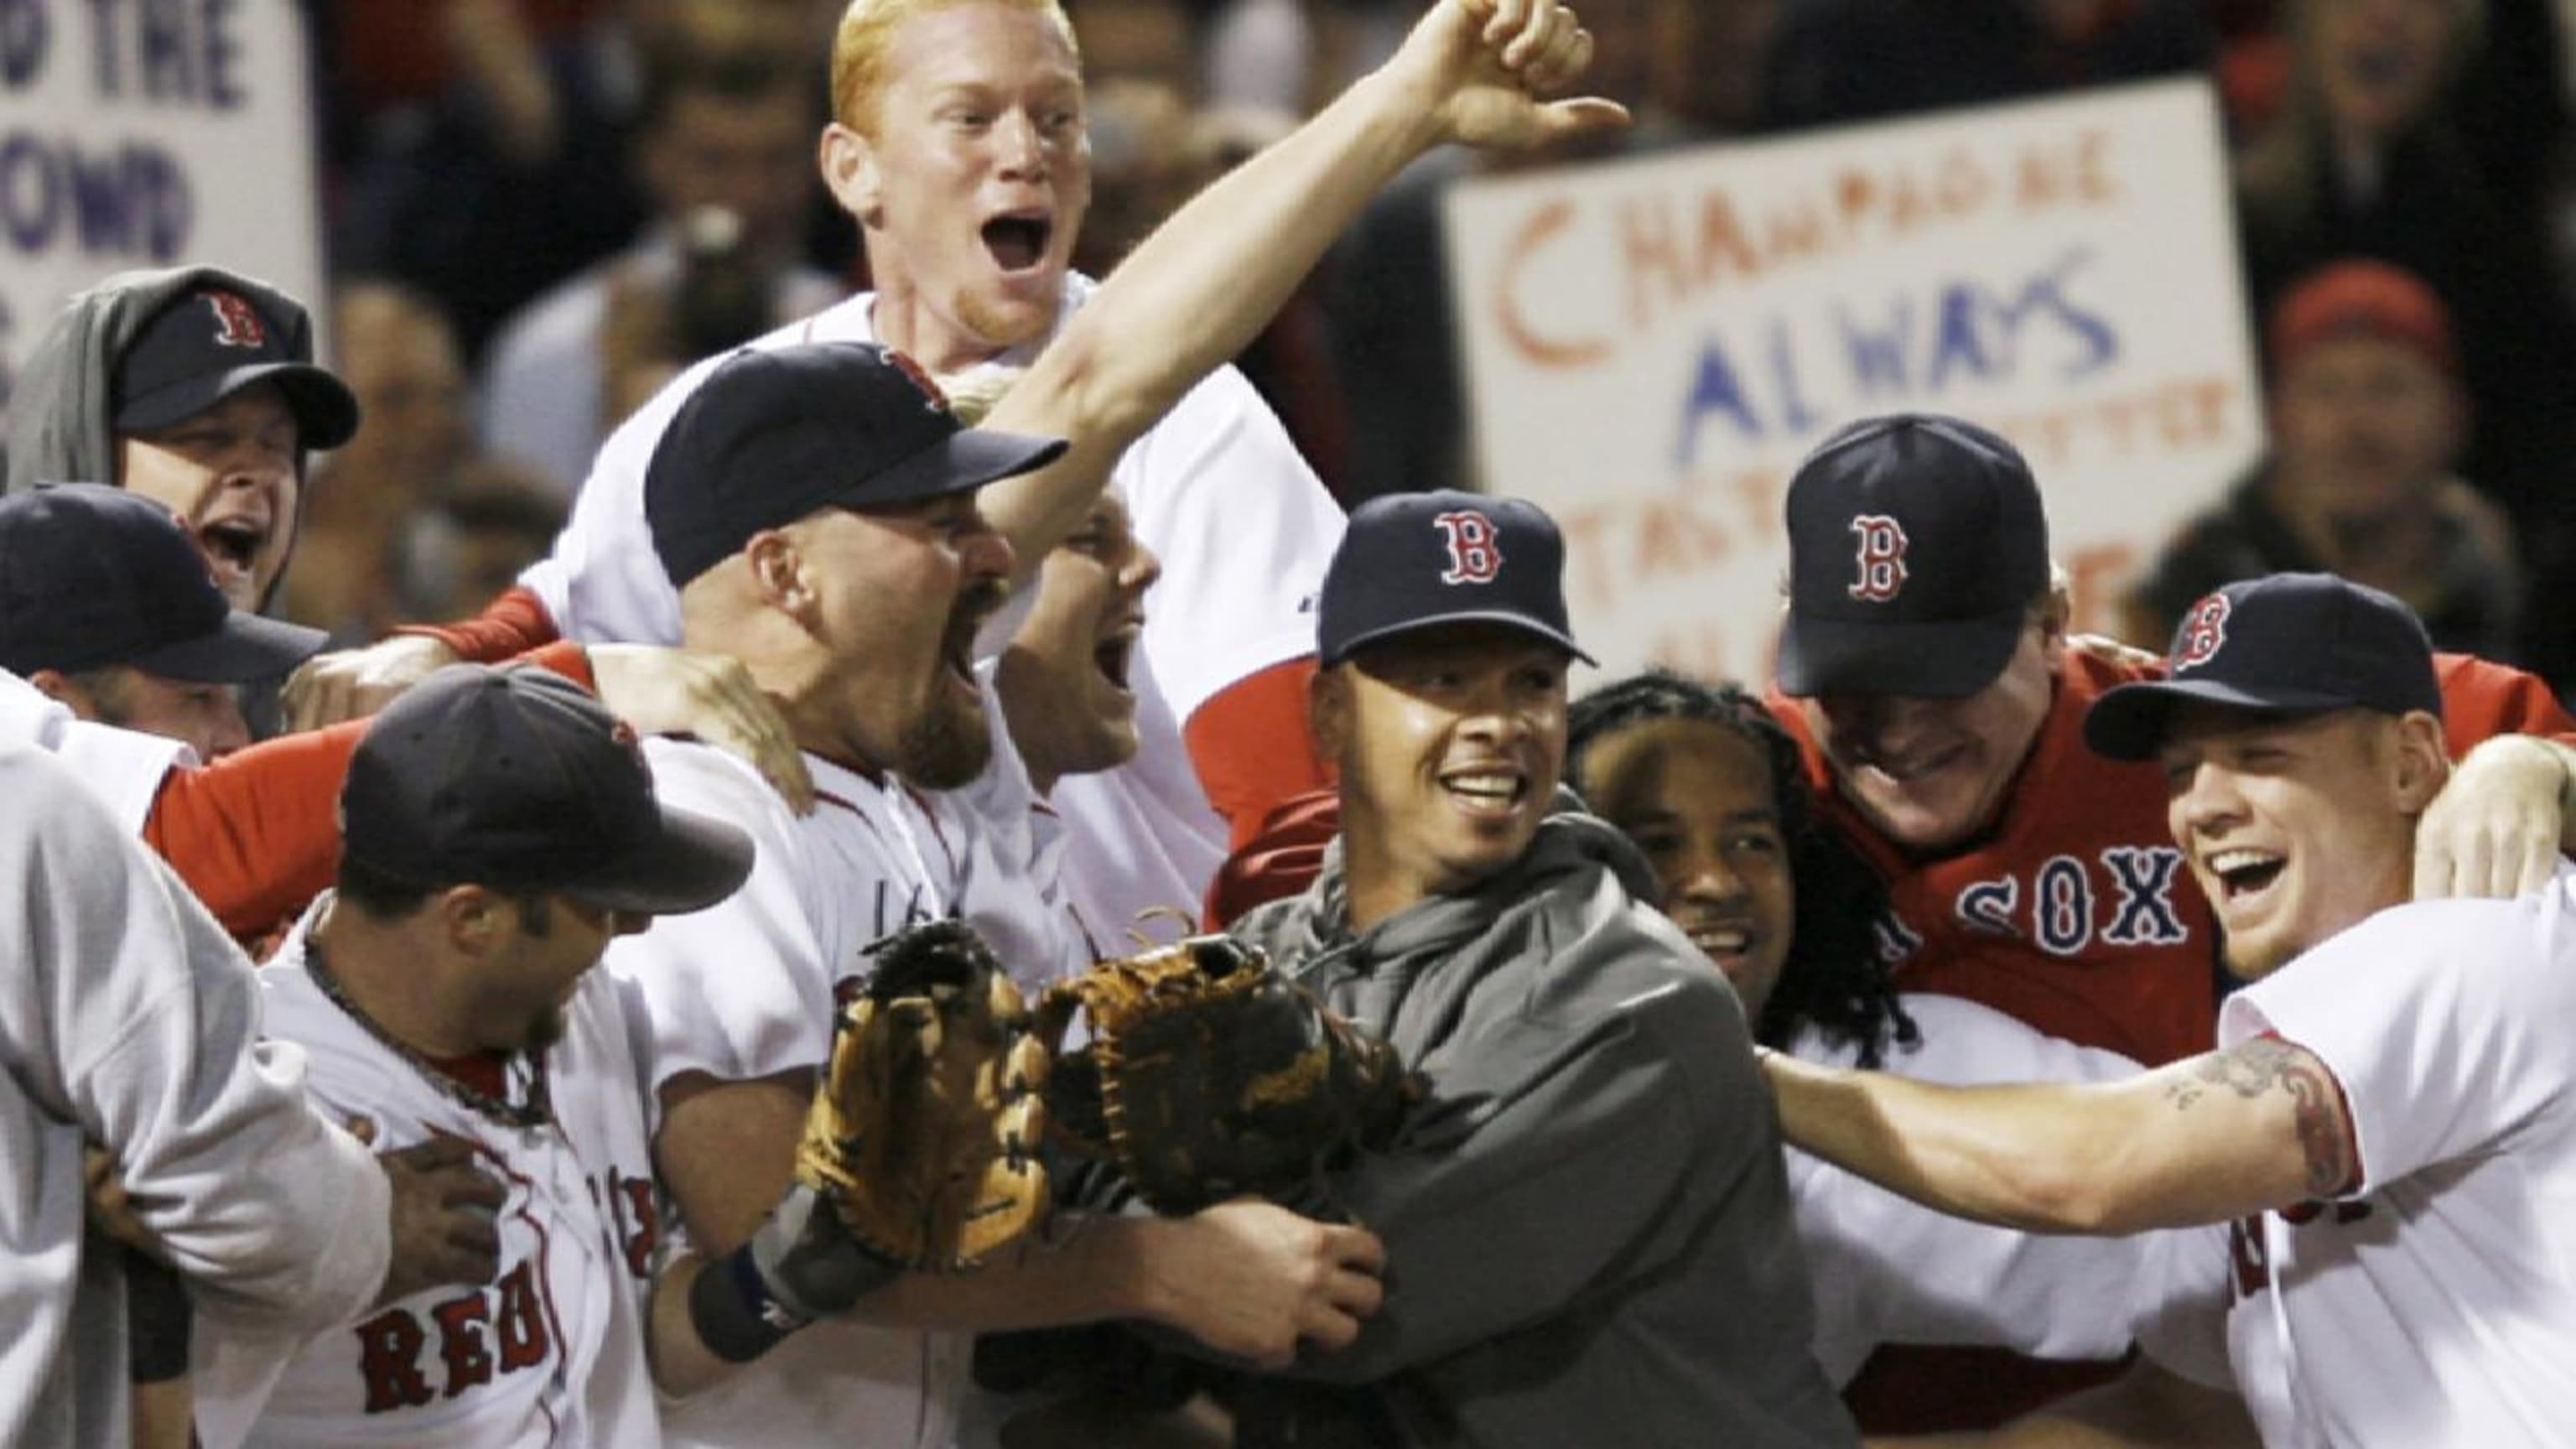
point(2263, 1064)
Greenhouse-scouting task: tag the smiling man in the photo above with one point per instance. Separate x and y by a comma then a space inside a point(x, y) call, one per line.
point(196, 388)
point(1926, 671)
point(1591, 1117)
point(2390, 1117)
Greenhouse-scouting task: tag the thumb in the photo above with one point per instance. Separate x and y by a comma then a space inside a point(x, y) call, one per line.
point(1581, 116)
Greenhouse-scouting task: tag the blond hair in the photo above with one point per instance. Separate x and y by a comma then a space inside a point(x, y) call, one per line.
point(866, 33)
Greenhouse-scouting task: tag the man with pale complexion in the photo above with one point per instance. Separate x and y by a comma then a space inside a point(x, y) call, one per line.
point(2389, 1120)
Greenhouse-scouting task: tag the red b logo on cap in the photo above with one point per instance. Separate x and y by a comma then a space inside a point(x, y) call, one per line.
point(1474, 555)
point(237, 322)
point(2202, 633)
point(1881, 565)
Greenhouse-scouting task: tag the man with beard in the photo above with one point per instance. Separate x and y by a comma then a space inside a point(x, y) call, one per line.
point(826, 520)
point(500, 828)
point(958, 145)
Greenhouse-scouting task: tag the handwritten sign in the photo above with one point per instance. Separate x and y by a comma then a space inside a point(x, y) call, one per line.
point(144, 133)
point(1653, 344)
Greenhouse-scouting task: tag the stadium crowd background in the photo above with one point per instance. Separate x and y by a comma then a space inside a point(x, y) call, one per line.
point(537, 210)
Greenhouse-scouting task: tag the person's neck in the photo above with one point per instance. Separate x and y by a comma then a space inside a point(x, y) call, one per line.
point(904, 320)
point(379, 968)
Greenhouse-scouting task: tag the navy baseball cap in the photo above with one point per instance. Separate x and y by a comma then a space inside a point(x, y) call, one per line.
point(92, 576)
point(513, 778)
point(1916, 546)
point(775, 433)
point(1417, 560)
point(211, 343)
point(2286, 644)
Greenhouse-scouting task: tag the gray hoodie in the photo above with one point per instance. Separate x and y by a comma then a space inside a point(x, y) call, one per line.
point(1587, 1221)
point(59, 419)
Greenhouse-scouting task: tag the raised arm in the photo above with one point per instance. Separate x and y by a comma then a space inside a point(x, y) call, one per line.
point(1210, 278)
point(2258, 1126)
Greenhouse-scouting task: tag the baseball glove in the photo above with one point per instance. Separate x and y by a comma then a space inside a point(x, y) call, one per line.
point(924, 1133)
point(1210, 1074)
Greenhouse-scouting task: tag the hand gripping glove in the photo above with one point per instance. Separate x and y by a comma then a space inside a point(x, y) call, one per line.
point(1209, 1075)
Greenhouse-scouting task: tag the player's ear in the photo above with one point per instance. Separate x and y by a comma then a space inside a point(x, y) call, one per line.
point(475, 919)
point(779, 575)
point(2052, 616)
point(849, 164)
point(2420, 761)
point(53, 684)
point(1328, 710)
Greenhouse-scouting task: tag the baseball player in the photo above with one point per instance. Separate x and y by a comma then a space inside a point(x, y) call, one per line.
point(1709, 786)
point(128, 1022)
point(823, 516)
point(1924, 667)
point(970, 216)
point(109, 607)
point(499, 829)
point(1586, 1078)
point(2386, 1120)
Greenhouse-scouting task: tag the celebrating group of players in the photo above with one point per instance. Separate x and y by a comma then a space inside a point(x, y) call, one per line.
point(994, 595)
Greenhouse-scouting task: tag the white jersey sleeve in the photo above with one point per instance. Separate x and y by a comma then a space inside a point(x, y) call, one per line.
point(122, 769)
point(742, 989)
point(1244, 530)
point(2446, 1024)
point(1886, 1270)
point(2182, 1315)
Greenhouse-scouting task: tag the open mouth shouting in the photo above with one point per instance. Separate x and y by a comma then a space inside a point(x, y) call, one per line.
point(1017, 240)
point(232, 545)
point(2243, 874)
point(1116, 655)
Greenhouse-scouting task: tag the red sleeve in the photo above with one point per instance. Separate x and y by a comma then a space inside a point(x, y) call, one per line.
point(1250, 746)
point(509, 626)
point(256, 834)
point(2482, 700)
point(1281, 859)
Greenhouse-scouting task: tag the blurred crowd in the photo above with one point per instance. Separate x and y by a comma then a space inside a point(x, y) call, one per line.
point(541, 208)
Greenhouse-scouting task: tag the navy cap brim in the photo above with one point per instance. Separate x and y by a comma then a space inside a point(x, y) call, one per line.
point(1522, 622)
point(1943, 659)
point(2130, 722)
point(326, 412)
point(248, 646)
point(694, 862)
point(966, 459)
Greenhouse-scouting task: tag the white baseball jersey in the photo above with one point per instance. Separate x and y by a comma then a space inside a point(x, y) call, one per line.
point(2435, 1306)
point(123, 769)
point(1886, 1270)
point(746, 989)
point(552, 1352)
point(1243, 529)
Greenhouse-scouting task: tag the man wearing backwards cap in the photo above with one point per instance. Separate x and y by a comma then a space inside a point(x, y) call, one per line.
point(500, 828)
point(107, 605)
point(2390, 1117)
point(1586, 1221)
point(826, 521)
point(1925, 669)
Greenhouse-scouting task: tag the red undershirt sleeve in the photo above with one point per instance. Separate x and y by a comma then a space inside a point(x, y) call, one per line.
point(509, 626)
point(1249, 743)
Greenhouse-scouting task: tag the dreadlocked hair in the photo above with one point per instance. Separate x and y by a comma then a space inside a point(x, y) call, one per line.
point(1834, 979)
